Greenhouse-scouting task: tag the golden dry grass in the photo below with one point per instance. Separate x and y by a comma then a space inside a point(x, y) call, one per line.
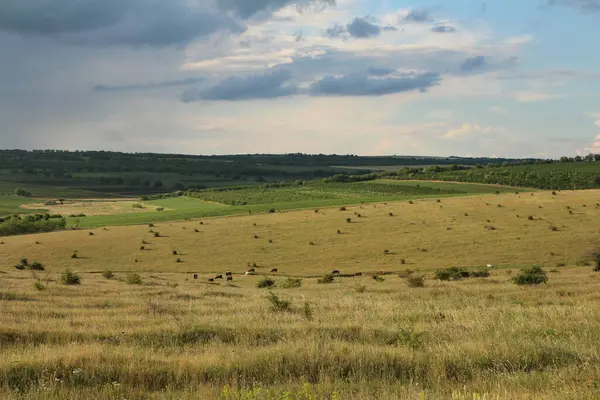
point(449, 237)
point(174, 337)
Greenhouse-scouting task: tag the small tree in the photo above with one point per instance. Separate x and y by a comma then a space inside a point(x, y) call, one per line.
point(70, 278)
point(531, 276)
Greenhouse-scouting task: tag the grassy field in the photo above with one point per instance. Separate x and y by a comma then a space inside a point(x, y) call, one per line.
point(170, 336)
point(51, 192)
point(456, 231)
point(12, 205)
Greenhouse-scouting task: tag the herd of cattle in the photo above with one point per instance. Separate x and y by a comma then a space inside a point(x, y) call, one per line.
point(251, 271)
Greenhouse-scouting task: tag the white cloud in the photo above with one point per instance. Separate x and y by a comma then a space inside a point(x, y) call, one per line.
point(466, 129)
point(535, 96)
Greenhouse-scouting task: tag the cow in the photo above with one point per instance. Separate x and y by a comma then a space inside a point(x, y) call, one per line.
point(358, 274)
point(251, 270)
point(335, 272)
point(228, 273)
point(229, 278)
point(195, 276)
point(274, 270)
point(219, 277)
point(211, 280)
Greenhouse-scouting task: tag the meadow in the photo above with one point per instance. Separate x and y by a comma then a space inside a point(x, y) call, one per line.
point(139, 326)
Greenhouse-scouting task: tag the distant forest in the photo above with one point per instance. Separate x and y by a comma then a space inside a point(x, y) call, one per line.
point(147, 173)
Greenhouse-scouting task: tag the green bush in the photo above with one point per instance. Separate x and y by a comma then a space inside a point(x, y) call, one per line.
point(451, 274)
point(531, 276)
point(39, 286)
point(265, 283)
point(290, 283)
point(279, 305)
point(36, 266)
point(415, 281)
point(325, 279)
point(134, 279)
point(70, 278)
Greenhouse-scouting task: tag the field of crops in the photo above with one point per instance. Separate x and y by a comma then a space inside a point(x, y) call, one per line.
point(50, 192)
point(558, 176)
point(11, 205)
point(345, 192)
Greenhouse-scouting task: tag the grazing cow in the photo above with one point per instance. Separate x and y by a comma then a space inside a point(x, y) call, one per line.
point(228, 273)
point(490, 266)
point(274, 270)
point(229, 278)
point(358, 274)
point(251, 270)
point(335, 272)
point(219, 277)
point(211, 280)
point(195, 276)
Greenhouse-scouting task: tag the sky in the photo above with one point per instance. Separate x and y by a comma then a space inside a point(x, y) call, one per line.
point(492, 78)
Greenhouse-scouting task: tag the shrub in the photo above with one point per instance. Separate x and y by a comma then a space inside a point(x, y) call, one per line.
point(108, 274)
point(348, 220)
point(36, 266)
point(531, 276)
point(391, 214)
point(70, 278)
point(156, 234)
point(74, 255)
point(150, 225)
point(271, 210)
point(265, 283)
point(279, 305)
point(325, 279)
point(307, 311)
point(360, 288)
point(594, 256)
point(342, 208)
point(137, 205)
point(553, 228)
point(39, 286)
point(134, 279)
point(480, 274)
point(160, 209)
point(451, 274)
point(415, 281)
point(20, 267)
point(377, 278)
point(290, 283)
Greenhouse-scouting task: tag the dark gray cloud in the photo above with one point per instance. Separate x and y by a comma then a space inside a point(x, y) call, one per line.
point(147, 86)
point(269, 85)
point(361, 28)
point(583, 5)
point(443, 29)
point(374, 71)
point(249, 8)
point(362, 85)
point(133, 22)
point(418, 16)
point(472, 64)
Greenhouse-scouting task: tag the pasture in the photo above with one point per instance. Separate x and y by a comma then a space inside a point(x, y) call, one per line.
point(165, 335)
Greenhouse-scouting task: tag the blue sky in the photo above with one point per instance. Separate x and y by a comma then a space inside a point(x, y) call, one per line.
point(459, 77)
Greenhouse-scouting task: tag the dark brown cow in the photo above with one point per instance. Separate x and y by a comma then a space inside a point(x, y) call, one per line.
point(229, 278)
point(219, 277)
point(335, 272)
point(228, 273)
point(195, 276)
point(211, 280)
point(251, 270)
point(274, 270)
point(358, 274)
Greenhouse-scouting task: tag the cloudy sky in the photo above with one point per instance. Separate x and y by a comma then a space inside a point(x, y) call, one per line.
point(372, 77)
